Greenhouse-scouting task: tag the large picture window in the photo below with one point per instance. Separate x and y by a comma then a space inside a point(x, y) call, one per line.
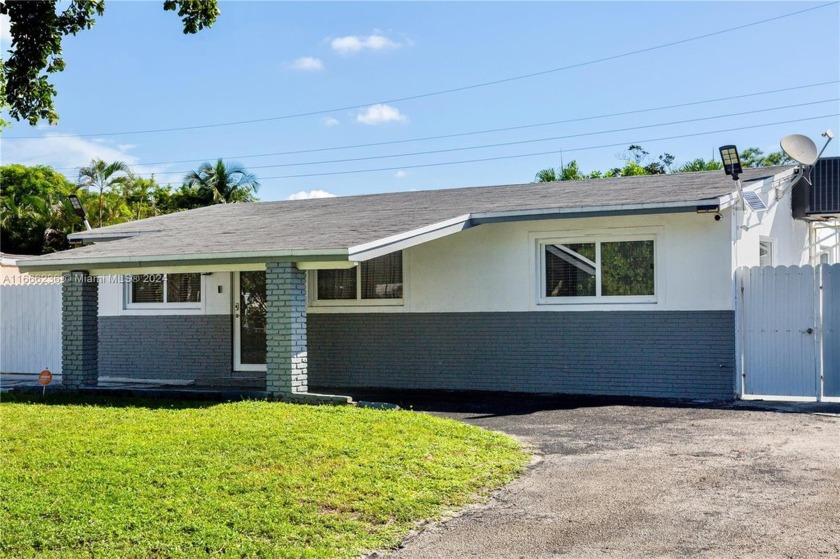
point(593, 270)
point(165, 289)
point(378, 278)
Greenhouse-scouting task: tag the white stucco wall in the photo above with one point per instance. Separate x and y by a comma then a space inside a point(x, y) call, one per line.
point(826, 242)
point(494, 267)
point(112, 297)
point(789, 236)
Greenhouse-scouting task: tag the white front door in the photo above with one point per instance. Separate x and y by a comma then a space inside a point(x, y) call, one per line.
point(249, 321)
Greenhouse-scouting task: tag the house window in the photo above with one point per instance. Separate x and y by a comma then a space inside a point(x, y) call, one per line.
point(595, 270)
point(765, 252)
point(379, 278)
point(165, 289)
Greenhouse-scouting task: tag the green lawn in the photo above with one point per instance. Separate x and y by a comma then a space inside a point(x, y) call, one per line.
point(92, 478)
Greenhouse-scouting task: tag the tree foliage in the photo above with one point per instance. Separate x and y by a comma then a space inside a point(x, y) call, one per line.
point(103, 176)
point(638, 161)
point(223, 182)
point(38, 27)
point(33, 203)
point(36, 216)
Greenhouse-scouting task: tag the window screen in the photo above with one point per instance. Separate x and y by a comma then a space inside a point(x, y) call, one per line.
point(337, 284)
point(147, 289)
point(570, 270)
point(378, 278)
point(183, 288)
point(382, 277)
point(165, 288)
point(600, 269)
point(627, 268)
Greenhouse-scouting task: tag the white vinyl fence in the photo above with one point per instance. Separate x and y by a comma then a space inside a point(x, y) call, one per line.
point(30, 328)
point(789, 332)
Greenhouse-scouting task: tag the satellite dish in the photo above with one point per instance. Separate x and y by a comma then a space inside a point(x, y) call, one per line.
point(800, 148)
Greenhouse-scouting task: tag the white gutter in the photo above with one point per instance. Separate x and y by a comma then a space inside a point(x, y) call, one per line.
point(66, 264)
point(560, 212)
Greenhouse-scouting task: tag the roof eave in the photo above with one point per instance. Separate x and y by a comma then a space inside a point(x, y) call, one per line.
point(57, 265)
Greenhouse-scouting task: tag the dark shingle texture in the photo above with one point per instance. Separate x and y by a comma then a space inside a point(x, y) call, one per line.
point(339, 223)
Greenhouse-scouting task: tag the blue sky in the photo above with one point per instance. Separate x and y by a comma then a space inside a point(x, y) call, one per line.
point(136, 71)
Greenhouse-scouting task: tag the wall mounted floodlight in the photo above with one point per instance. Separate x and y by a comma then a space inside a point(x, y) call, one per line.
point(731, 161)
point(79, 209)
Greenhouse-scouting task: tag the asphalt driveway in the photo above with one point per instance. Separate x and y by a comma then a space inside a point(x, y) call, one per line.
point(626, 479)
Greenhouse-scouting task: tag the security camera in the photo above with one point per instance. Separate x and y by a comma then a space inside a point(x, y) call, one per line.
point(717, 217)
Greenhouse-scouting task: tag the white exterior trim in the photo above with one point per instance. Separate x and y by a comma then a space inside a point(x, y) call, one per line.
point(539, 239)
point(237, 334)
point(330, 305)
point(387, 245)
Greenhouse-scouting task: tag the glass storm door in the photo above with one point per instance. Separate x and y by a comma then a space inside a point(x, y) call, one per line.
point(249, 321)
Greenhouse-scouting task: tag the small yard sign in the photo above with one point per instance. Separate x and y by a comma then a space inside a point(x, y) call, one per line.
point(45, 377)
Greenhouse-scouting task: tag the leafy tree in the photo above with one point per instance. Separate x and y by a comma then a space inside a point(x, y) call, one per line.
point(700, 164)
point(37, 28)
point(33, 206)
point(547, 175)
point(754, 157)
point(104, 176)
point(145, 197)
point(638, 162)
point(223, 182)
point(570, 172)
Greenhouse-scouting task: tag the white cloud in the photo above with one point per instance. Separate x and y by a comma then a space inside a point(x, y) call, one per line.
point(67, 153)
point(5, 32)
point(352, 44)
point(310, 194)
point(400, 174)
point(380, 114)
point(63, 151)
point(306, 64)
point(330, 122)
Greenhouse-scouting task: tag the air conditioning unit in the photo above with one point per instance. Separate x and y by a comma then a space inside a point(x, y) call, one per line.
point(819, 200)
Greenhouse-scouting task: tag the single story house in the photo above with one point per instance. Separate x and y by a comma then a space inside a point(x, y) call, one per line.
point(613, 286)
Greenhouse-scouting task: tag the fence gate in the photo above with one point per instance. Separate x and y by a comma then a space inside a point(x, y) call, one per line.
point(30, 328)
point(789, 332)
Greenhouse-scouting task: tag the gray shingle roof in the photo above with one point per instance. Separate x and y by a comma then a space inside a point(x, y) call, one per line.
point(339, 223)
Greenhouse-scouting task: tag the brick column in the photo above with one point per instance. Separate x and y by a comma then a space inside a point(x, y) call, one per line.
point(79, 330)
point(285, 289)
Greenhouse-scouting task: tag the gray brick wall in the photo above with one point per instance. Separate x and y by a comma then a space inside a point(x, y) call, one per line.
point(79, 319)
point(286, 351)
point(687, 354)
point(183, 347)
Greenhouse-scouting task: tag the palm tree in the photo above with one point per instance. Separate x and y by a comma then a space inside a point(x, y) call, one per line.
point(227, 182)
point(547, 175)
point(103, 176)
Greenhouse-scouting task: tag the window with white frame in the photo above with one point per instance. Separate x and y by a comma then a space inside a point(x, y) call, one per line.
point(376, 279)
point(171, 290)
point(765, 252)
point(597, 270)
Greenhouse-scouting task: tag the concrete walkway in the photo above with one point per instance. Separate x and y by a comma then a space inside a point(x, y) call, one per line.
point(632, 479)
